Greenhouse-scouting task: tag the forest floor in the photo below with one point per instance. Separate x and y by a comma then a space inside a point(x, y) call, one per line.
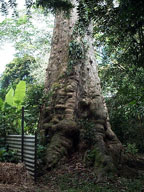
point(70, 177)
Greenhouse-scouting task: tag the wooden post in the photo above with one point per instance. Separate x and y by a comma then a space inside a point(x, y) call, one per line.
point(22, 126)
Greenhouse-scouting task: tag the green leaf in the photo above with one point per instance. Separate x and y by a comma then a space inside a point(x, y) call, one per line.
point(1, 103)
point(132, 102)
point(20, 93)
point(9, 98)
point(22, 20)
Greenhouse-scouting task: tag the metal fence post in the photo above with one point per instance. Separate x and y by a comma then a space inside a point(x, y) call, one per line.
point(22, 143)
point(4, 143)
point(35, 173)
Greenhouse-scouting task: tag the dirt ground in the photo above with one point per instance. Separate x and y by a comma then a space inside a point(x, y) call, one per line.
point(69, 177)
point(15, 178)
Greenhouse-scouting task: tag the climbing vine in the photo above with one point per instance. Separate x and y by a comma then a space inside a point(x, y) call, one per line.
point(78, 45)
point(77, 52)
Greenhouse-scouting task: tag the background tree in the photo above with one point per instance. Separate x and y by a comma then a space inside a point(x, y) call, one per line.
point(18, 69)
point(124, 88)
point(32, 45)
point(30, 38)
point(119, 34)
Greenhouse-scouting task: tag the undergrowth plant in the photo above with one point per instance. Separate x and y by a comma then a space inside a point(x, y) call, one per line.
point(10, 121)
point(8, 155)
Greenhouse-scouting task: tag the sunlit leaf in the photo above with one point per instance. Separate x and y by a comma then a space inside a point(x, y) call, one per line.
point(1, 103)
point(10, 97)
point(20, 93)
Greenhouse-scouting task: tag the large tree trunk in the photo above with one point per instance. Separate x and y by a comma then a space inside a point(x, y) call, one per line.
point(75, 116)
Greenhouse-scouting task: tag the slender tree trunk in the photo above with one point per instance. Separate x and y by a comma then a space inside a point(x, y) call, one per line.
point(75, 116)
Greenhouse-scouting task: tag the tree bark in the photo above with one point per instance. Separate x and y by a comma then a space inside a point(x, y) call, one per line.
point(74, 116)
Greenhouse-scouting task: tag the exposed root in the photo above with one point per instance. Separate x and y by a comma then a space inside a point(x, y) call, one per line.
point(57, 148)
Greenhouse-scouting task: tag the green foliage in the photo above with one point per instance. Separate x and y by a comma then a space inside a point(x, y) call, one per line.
point(78, 47)
point(16, 98)
point(84, 20)
point(10, 121)
point(119, 42)
point(122, 24)
point(54, 5)
point(124, 92)
point(32, 103)
point(91, 157)
point(9, 97)
point(77, 53)
point(41, 152)
point(87, 132)
point(22, 20)
point(18, 69)
point(32, 45)
point(131, 148)
point(8, 155)
point(20, 93)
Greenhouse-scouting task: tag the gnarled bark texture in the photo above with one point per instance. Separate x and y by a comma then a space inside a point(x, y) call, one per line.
point(75, 116)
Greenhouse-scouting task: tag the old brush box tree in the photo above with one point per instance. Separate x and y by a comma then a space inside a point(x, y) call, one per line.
point(74, 104)
point(74, 115)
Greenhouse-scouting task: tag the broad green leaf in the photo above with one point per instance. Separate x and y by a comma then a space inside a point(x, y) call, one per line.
point(9, 98)
point(1, 103)
point(133, 102)
point(20, 93)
